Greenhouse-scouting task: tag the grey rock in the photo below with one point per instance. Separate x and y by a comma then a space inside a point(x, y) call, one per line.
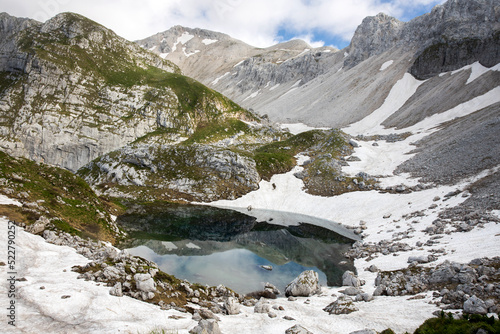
point(474, 305)
point(206, 327)
point(207, 314)
point(116, 290)
point(343, 305)
point(145, 283)
point(262, 307)
point(350, 279)
point(351, 291)
point(364, 331)
point(418, 259)
point(232, 306)
point(305, 285)
point(297, 329)
point(39, 226)
point(272, 315)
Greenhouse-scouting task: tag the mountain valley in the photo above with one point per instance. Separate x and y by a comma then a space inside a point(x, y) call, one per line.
point(390, 144)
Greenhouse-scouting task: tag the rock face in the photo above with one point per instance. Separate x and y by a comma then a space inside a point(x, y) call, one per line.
point(57, 108)
point(198, 172)
point(383, 49)
point(454, 34)
point(305, 285)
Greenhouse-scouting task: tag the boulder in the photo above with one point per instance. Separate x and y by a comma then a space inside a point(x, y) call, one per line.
point(351, 291)
point(350, 279)
point(39, 226)
point(116, 290)
point(305, 285)
point(232, 306)
point(144, 283)
point(206, 327)
point(474, 305)
point(297, 329)
point(343, 305)
point(206, 314)
point(262, 307)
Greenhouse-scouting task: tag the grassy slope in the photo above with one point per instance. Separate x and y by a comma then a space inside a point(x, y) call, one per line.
point(59, 195)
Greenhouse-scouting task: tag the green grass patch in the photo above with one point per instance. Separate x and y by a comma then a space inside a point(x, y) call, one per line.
point(470, 324)
point(61, 195)
point(215, 131)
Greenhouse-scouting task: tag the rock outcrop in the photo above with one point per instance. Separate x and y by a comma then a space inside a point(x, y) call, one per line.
point(305, 285)
point(73, 90)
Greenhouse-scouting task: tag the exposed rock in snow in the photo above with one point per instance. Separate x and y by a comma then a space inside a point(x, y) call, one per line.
point(305, 285)
point(343, 305)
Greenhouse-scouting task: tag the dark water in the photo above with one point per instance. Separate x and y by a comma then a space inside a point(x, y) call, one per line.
point(218, 246)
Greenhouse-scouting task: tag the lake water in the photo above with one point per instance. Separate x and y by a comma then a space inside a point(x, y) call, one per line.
point(219, 246)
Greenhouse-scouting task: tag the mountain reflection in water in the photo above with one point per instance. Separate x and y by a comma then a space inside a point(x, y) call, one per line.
point(219, 246)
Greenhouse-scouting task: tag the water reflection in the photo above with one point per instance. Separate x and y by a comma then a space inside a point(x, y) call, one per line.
point(219, 246)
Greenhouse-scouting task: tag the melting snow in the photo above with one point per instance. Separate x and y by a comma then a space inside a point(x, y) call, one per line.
point(241, 62)
point(251, 96)
point(477, 70)
point(297, 128)
point(222, 76)
point(208, 41)
point(192, 246)
point(184, 38)
point(189, 54)
point(169, 245)
point(399, 94)
point(386, 65)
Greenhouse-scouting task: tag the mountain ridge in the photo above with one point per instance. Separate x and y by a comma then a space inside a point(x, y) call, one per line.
point(459, 32)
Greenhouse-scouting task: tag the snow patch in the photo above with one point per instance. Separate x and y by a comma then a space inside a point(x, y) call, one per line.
point(189, 54)
point(274, 87)
point(192, 246)
point(169, 245)
point(4, 200)
point(208, 41)
point(238, 64)
point(152, 48)
point(477, 70)
point(386, 65)
point(184, 38)
point(399, 94)
point(164, 55)
point(219, 78)
point(251, 96)
point(296, 128)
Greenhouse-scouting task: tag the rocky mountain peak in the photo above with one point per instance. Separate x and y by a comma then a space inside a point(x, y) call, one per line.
point(72, 25)
point(454, 20)
point(373, 36)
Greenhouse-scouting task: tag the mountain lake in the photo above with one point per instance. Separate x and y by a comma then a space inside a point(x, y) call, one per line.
point(240, 250)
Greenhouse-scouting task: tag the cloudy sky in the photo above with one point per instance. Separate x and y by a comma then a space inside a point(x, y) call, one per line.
point(256, 22)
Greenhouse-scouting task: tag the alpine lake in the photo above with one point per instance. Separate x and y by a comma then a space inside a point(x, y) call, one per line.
point(239, 249)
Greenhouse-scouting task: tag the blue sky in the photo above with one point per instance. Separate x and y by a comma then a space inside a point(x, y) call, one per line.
point(256, 22)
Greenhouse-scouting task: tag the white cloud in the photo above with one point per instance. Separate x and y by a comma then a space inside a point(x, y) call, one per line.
point(256, 22)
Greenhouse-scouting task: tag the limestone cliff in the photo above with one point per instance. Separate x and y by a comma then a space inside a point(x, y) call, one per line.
point(72, 90)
